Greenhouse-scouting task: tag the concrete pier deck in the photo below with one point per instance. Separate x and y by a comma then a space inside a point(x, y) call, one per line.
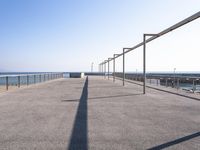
point(95, 113)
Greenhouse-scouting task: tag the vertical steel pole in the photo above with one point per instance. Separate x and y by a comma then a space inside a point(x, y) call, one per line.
point(102, 69)
point(123, 66)
point(144, 64)
point(7, 83)
point(193, 86)
point(136, 74)
point(40, 78)
point(92, 67)
point(177, 83)
point(99, 68)
point(108, 69)
point(114, 68)
point(18, 81)
point(34, 79)
point(174, 77)
point(27, 80)
point(105, 70)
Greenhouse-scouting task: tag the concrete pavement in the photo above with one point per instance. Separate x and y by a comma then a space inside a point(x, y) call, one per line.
point(97, 114)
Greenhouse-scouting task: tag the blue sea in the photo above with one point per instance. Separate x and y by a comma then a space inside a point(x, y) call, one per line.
point(33, 77)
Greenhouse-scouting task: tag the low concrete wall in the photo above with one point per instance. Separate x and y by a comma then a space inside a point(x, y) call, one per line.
point(76, 75)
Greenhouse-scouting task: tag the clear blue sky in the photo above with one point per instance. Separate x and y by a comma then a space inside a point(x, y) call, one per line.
point(67, 35)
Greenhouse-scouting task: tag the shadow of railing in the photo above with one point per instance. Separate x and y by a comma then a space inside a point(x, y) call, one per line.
point(103, 97)
point(162, 90)
point(79, 136)
point(174, 142)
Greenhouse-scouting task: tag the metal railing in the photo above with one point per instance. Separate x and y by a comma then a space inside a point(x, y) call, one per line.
point(145, 41)
point(179, 82)
point(16, 81)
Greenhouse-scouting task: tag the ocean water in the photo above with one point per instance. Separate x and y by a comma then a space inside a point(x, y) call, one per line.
point(13, 78)
point(25, 77)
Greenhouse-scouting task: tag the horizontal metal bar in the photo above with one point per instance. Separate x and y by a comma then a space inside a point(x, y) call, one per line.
point(151, 34)
point(177, 25)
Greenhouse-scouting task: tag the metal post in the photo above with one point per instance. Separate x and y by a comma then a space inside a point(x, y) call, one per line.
point(7, 83)
point(174, 77)
point(193, 86)
point(104, 70)
point(108, 68)
point(136, 74)
point(123, 66)
point(92, 67)
point(34, 79)
point(114, 68)
point(144, 64)
point(99, 68)
point(40, 78)
point(18, 81)
point(27, 80)
point(144, 59)
point(177, 83)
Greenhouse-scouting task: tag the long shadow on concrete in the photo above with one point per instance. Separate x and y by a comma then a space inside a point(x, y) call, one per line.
point(174, 93)
point(79, 136)
point(102, 97)
point(174, 142)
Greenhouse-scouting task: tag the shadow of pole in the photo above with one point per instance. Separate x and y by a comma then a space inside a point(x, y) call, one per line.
point(79, 136)
point(103, 97)
point(174, 142)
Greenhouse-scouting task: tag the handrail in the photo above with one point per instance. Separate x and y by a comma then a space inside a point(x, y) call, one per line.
point(36, 78)
point(177, 25)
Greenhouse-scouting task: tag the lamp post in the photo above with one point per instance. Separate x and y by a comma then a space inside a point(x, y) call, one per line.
point(92, 66)
point(144, 59)
point(174, 77)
